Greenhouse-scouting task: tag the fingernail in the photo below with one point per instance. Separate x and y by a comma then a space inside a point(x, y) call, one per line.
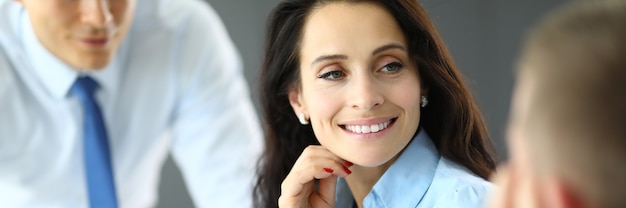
point(348, 163)
point(328, 170)
point(347, 170)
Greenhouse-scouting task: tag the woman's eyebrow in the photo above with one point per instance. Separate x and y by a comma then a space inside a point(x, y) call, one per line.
point(329, 57)
point(376, 51)
point(388, 47)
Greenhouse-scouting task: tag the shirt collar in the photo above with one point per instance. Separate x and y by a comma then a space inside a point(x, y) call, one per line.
point(406, 181)
point(57, 77)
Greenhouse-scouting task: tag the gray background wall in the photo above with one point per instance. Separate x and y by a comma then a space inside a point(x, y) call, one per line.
point(484, 37)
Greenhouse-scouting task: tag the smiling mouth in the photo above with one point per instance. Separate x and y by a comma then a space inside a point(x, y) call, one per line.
point(366, 129)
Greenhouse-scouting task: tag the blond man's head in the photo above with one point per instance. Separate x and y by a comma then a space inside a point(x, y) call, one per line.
point(567, 132)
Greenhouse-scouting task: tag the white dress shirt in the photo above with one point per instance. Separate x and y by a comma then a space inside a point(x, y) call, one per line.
point(175, 85)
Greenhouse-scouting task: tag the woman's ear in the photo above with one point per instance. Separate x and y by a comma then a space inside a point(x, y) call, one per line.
point(424, 89)
point(297, 103)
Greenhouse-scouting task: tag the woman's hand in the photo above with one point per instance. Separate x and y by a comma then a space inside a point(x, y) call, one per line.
point(315, 162)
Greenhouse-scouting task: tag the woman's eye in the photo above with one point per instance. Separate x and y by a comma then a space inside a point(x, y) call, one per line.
point(392, 67)
point(331, 75)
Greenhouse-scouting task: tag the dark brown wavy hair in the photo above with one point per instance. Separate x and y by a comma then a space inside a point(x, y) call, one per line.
point(451, 118)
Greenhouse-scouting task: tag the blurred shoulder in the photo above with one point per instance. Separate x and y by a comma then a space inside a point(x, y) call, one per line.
point(175, 14)
point(189, 33)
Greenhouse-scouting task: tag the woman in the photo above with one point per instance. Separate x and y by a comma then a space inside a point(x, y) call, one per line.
point(391, 122)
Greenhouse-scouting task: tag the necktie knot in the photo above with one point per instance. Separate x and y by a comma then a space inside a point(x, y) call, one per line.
point(84, 87)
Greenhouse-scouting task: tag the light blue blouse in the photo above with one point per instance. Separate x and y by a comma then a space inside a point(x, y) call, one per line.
point(420, 177)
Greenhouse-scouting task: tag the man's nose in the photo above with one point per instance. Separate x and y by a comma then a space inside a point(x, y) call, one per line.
point(96, 13)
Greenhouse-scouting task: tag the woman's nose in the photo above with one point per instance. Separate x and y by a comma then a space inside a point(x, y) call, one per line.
point(364, 93)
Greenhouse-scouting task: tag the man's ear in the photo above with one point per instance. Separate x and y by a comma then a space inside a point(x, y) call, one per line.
point(296, 101)
point(559, 194)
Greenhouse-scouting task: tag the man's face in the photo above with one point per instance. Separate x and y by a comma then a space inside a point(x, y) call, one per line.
point(84, 34)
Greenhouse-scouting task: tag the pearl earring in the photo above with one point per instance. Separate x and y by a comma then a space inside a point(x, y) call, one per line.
point(424, 101)
point(302, 119)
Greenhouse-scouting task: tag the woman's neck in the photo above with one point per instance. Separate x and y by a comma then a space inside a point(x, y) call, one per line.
point(363, 179)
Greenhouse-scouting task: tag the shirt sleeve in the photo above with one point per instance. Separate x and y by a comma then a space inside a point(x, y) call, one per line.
point(216, 134)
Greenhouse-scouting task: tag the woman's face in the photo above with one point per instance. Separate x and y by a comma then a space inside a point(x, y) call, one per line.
point(358, 86)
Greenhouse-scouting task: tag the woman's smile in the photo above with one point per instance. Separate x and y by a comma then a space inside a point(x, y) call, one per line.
point(368, 129)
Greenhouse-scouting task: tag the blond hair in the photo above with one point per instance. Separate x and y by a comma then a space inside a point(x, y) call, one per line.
point(576, 60)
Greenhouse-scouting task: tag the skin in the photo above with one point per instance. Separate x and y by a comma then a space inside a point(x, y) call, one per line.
point(84, 34)
point(520, 184)
point(516, 180)
point(355, 72)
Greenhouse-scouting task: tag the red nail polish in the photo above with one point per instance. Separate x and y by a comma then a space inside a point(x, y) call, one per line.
point(348, 163)
point(328, 170)
point(347, 170)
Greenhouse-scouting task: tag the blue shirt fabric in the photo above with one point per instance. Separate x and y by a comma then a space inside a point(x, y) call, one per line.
point(421, 177)
point(175, 85)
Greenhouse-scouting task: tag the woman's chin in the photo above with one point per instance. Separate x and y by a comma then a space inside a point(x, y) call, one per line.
point(372, 160)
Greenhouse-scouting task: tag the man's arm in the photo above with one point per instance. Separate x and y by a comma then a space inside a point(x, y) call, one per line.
point(216, 133)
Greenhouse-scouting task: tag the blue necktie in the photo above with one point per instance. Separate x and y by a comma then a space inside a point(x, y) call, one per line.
point(98, 170)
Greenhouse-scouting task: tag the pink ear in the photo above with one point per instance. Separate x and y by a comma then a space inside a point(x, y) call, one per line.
point(559, 194)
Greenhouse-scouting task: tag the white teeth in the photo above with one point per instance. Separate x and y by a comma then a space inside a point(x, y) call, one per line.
point(367, 128)
point(357, 129)
point(375, 128)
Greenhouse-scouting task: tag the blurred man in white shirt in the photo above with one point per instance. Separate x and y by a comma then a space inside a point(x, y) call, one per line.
point(169, 80)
